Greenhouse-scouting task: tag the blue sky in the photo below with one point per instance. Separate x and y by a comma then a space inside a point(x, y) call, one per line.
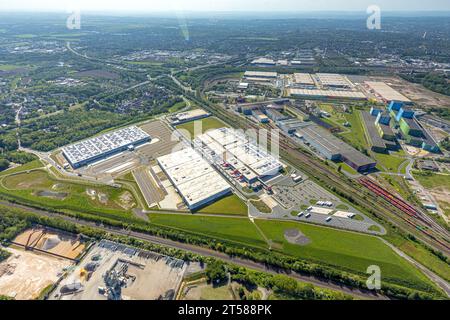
point(224, 5)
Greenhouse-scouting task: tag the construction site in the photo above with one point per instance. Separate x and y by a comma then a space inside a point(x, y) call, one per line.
point(111, 271)
point(49, 241)
point(39, 258)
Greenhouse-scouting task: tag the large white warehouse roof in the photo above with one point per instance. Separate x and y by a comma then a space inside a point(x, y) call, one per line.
point(197, 182)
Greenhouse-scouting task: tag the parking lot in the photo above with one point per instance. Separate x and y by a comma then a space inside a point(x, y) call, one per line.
point(166, 141)
point(305, 193)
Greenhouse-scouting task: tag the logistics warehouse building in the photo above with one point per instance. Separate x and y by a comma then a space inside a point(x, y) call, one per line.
point(335, 149)
point(326, 94)
point(88, 151)
point(385, 92)
point(194, 178)
point(240, 152)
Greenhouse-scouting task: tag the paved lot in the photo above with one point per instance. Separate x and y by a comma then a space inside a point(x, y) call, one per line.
point(306, 193)
point(152, 193)
point(296, 197)
point(167, 140)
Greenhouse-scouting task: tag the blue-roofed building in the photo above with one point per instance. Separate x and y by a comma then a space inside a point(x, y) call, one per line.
point(431, 147)
point(375, 111)
point(395, 106)
point(383, 118)
point(404, 113)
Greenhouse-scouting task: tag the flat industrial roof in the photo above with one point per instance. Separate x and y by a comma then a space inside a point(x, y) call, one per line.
point(332, 79)
point(321, 137)
point(334, 145)
point(303, 78)
point(327, 93)
point(374, 136)
point(185, 116)
point(260, 74)
point(94, 147)
point(243, 149)
point(263, 61)
point(193, 176)
point(386, 92)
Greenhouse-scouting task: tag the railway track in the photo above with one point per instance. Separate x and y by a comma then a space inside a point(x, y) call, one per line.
point(314, 167)
point(436, 235)
point(406, 208)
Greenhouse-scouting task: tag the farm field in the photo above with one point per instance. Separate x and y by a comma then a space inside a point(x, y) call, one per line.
point(210, 123)
point(231, 205)
point(346, 250)
point(238, 230)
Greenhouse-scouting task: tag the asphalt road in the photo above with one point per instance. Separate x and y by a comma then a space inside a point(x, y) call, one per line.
point(357, 293)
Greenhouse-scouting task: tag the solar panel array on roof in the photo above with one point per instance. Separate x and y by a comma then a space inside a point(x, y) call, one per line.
point(87, 151)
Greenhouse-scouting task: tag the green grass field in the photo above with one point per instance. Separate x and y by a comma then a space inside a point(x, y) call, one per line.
point(389, 162)
point(439, 184)
point(239, 230)
point(261, 206)
point(8, 67)
point(427, 259)
point(29, 166)
point(194, 129)
point(177, 107)
point(345, 167)
point(357, 136)
point(433, 180)
point(231, 205)
point(344, 250)
point(37, 187)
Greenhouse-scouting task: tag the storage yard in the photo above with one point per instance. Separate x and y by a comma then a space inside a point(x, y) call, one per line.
point(97, 148)
point(56, 243)
point(111, 271)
